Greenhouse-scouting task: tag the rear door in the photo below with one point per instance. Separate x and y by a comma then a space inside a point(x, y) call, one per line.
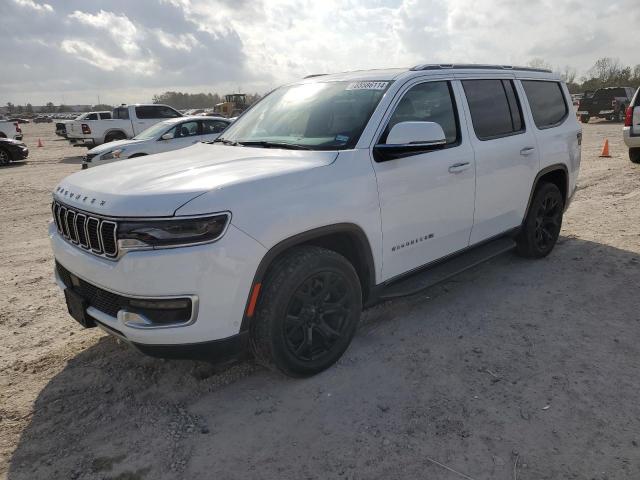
point(148, 115)
point(506, 153)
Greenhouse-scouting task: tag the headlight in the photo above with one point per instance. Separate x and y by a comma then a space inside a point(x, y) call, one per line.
point(117, 153)
point(175, 232)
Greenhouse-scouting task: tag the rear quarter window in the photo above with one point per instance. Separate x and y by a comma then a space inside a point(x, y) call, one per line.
point(547, 102)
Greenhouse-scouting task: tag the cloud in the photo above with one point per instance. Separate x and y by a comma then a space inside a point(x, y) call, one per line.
point(38, 7)
point(128, 50)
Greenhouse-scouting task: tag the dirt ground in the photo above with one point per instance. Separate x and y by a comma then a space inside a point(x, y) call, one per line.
point(514, 369)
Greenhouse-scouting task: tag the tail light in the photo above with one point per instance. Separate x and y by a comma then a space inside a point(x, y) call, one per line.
point(85, 129)
point(18, 129)
point(628, 119)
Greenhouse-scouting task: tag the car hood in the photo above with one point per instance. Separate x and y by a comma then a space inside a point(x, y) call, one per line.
point(107, 147)
point(157, 185)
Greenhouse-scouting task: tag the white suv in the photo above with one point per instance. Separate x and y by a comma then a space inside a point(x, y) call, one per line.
point(330, 194)
point(631, 131)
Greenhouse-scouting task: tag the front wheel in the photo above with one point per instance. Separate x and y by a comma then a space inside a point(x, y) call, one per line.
point(5, 158)
point(634, 155)
point(541, 228)
point(308, 311)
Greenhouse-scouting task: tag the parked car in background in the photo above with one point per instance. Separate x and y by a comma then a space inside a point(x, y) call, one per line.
point(126, 121)
point(631, 131)
point(9, 129)
point(610, 103)
point(164, 136)
point(12, 151)
point(42, 119)
point(74, 129)
point(329, 194)
point(19, 120)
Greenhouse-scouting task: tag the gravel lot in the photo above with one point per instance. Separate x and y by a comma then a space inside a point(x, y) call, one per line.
point(514, 369)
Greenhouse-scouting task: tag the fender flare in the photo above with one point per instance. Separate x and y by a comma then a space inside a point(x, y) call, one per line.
point(541, 173)
point(364, 253)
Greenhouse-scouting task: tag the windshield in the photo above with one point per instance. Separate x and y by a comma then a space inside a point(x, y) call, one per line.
point(316, 116)
point(154, 131)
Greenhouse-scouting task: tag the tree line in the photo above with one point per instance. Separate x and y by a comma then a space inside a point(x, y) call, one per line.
point(182, 101)
point(605, 72)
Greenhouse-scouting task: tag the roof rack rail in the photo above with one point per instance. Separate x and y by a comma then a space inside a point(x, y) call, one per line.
point(314, 75)
point(473, 66)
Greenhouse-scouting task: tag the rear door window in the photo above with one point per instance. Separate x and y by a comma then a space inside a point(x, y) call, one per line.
point(156, 111)
point(495, 108)
point(547, 102)
point(121, 113)
point(105, 116)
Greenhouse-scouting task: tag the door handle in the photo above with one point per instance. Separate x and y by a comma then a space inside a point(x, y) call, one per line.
point(527, 151)
point(459, 167)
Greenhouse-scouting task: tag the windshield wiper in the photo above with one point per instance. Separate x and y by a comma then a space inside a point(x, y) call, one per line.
point(267, 144)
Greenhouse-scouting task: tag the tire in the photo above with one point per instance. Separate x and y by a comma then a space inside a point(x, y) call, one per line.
point(634, 155)
point(541, 228)
point(585, 118)
point(5, 157)
point(112, 137)
point(308, 311)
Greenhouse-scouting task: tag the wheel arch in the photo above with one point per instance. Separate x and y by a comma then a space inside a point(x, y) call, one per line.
point(558, 174)
point(112, 131)
point(346, 239)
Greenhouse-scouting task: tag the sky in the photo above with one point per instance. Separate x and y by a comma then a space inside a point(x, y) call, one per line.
point(120, 51)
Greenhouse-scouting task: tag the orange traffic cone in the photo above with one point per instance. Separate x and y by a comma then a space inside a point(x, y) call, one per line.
point(605, 149)
point(40, 143)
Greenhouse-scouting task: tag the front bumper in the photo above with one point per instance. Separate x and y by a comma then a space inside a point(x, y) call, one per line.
point(219, 275)
point(631, 141)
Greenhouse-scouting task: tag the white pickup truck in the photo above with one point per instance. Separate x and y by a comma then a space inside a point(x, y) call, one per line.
point(126, 121)
point(9, 129)
point(72, 129)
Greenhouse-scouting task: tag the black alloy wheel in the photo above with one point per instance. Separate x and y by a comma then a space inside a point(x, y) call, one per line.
point(317, 316)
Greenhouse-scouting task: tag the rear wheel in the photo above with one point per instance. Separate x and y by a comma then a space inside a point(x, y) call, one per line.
point(585, 118)
point(634, 155)
point(112, 137)
point(541, 228)
point(5, 157)
point(308, 311)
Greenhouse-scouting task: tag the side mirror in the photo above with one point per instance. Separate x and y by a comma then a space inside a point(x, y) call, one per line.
point(166, 136)
point(410, 138)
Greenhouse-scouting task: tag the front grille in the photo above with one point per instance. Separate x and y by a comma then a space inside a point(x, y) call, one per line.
point(94, 234)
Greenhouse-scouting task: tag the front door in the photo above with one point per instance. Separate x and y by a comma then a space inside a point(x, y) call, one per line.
point(426, 199)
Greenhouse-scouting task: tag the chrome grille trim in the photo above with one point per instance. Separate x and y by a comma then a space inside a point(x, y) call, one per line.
point(108, 230)
point(91, 233)
point(71, 225)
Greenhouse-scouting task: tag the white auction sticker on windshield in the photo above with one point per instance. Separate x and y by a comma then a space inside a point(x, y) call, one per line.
point(367, 86)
